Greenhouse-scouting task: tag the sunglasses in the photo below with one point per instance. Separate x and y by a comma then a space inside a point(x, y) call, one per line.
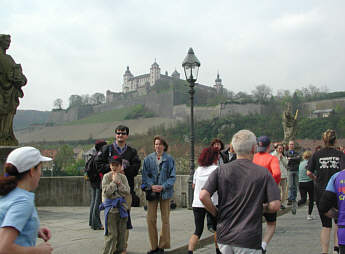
point(121, 133)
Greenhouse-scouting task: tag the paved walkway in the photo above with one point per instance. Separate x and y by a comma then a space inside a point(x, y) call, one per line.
point(294, 235)
point(71, 233)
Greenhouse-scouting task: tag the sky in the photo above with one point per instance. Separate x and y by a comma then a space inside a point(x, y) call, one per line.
point(84, 46)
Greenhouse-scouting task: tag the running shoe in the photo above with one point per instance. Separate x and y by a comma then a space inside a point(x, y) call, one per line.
point(263, 251)
point(294, 207)
point(309, 217)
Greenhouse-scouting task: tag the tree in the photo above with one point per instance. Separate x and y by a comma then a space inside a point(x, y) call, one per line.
point(85, 99)
point(75, 100)
point(262, 93)
point(98, 98)
point(58, 104)
point(64, 158)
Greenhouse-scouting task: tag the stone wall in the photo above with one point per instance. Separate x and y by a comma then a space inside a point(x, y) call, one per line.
point(75, 191)
point(308, 107)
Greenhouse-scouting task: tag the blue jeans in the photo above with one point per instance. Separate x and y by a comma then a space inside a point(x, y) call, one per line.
point(293, 185)
point(94, 218)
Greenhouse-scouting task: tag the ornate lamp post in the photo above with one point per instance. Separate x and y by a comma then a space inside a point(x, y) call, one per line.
point(191, 66)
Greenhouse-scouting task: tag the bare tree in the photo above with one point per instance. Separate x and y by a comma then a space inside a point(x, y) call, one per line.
point(75, 100)
point(98, 98)
point(262, 93)
point(58, 104)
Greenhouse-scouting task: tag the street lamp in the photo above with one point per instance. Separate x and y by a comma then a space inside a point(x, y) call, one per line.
point(191, 66)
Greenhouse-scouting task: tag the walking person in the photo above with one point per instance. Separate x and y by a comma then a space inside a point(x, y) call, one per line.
point(207, 164)
point(95, 187)
point(283, 162)
point(19, 222)
point(115, 197)
point(332, 204)
point(321, 167)
point(306, 185)
point(218, 146)
point(271, 163)
point(243, 190)
point(158, 177)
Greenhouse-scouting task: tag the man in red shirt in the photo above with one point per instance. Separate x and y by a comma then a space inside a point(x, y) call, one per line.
point(264, 159)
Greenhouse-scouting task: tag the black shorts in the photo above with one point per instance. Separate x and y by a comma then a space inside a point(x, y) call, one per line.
point(325, 221)
point(270, 217)
point(199, 218)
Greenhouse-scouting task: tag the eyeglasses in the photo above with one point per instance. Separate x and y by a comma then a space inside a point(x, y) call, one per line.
point(121, 133)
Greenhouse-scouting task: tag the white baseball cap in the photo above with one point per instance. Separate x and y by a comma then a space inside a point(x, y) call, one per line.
point(25, 158)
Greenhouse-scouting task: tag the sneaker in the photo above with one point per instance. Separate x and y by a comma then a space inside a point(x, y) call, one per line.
point(160, 251)
point(294, 207)
point(263, 251)
point(210, 229)
point(282, 207)
point(309, 217)
point(153, 251)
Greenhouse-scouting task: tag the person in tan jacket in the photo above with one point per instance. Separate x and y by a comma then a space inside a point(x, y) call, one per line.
point(115, 198)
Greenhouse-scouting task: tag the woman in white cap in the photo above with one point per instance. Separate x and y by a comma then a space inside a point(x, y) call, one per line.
point(19, 222)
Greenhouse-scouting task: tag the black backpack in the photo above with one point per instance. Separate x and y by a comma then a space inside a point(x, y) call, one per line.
point(91, 169)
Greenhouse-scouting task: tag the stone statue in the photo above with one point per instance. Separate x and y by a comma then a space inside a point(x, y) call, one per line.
point(289, 124)
point(11, 81)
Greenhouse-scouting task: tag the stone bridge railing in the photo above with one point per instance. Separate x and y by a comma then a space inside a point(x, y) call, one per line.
point(75, 191)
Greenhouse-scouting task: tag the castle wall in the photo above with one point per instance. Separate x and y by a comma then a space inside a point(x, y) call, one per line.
point(308, 107)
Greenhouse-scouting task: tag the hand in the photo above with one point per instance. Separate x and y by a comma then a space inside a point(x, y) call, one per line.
point(44, 233)
point(157, 188)
point(44, 248)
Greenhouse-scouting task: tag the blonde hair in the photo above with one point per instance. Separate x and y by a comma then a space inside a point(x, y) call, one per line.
point(307, 154)
point(329, 137)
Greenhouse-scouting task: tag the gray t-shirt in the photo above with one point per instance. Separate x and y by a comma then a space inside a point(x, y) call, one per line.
point(242, 189)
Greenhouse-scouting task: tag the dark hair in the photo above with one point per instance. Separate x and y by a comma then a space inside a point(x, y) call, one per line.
point(122, 128)
point(11, 178)
point(208, 156)
point(99, 144)
point(165, 144)
point(217, 140)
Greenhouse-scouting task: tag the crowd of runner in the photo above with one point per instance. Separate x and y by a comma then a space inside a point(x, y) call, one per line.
point(234, 187)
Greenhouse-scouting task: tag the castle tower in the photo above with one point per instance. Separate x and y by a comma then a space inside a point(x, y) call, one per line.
point(175, 74)
point(126, 87)
point(218, 84)
point(155, 73)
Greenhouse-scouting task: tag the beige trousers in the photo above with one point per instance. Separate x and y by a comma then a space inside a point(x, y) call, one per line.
point(115, 241)
point(283, 190)
point(151, 218)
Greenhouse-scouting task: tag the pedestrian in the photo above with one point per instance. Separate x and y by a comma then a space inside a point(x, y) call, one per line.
point(218, 146)
point(306, 185)
point(243, 189)
point(322, 165)
point(158, 179)
point(293, 164)
point(131, 163)
point(115, 197)
point(207, 164)
point(228, 155)
point(332, 205)
point(283, 162)
point(271, 163)
point(95, 186)
point(19, 222)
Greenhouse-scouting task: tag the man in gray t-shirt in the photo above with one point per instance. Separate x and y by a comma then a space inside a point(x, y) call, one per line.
point(243, 188)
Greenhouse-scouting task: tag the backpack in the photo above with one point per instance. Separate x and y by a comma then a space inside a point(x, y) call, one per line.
point(91, 169)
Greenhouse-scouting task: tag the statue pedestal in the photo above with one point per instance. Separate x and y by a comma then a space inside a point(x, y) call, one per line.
point(4, 152)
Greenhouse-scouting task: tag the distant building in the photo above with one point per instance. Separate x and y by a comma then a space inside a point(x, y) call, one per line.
point(218, 84)
point(142, 83)
point(322, 113)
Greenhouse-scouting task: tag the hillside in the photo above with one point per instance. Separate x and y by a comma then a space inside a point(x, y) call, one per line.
point(27, 118)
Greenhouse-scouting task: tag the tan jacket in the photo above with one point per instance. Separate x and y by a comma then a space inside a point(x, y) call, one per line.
point(111, 190)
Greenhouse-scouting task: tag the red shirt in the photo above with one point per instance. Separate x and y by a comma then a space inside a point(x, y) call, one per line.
point(270, 162)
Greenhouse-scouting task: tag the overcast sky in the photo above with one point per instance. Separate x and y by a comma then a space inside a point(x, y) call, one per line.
point(83, 47)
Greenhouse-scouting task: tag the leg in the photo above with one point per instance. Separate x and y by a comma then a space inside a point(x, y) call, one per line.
point(164, 239)
point(271, 221)
point(127, 231)
point(92, 204)
point(121, 236)
point(290, 183)
point(324, 239)
point(110, 240)
point(151, 219)
point(97, 224)
point(303, 192)
point(342, 249)
point(311, 197)
point(336, 235)
point(199, 218)
point(283, 190)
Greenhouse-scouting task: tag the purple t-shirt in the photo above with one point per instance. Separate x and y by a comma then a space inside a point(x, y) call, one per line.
point(242, 189)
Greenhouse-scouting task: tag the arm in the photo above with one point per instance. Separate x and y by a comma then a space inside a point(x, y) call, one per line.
point(272, 195)
point(169, 183)
point(205, 198)
point(146, 179)
point(311, 175)
point(123, 186)
point(272, 206)
point(102, 160)
point(44, 233)
point(7, 245)
point(134, 164)
point(108, 185)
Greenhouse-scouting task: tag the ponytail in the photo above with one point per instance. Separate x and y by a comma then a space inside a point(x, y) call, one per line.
point(9, 182)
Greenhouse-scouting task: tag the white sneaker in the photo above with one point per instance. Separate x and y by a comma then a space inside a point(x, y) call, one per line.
point(309, 217)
